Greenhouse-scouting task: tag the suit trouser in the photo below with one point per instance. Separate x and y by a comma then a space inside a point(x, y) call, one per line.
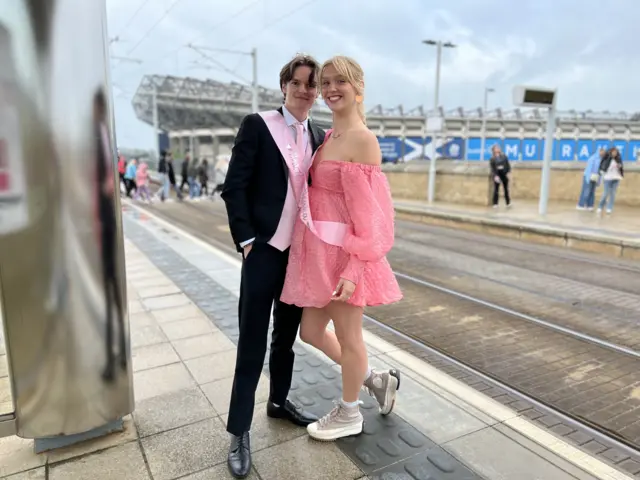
point(263, 273)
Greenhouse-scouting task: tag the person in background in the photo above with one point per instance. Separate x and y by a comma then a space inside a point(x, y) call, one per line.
point(500, 171)
point(142, 183)
point(590, 181)
point(192, 177)
point(184, 170)
point(122, 165)
point(162, 170)
point(171, 178)
point(203, 174)
point(612, 173)
point(130, 176)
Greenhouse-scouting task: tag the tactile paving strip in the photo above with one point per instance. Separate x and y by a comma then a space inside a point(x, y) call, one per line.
point(389, 448)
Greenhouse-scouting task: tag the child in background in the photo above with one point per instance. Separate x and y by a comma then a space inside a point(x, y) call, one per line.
point(142, 182)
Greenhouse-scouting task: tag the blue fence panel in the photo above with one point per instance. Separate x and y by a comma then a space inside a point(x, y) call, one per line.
point(633, 148)
point(621, 145)
point(532, 149)
point(586, 148)
point(458, 148)
point(512, 147)
point(565, 150)
point(452, 148)
point(414, 148)
point(391, 148)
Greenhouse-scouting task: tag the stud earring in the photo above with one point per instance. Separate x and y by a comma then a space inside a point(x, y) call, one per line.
point(359, 98)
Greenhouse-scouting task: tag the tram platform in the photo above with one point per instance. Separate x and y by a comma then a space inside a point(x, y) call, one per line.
point(182, 295)
point(617, 234)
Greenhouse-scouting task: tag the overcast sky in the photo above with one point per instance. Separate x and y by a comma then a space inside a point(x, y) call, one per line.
point(586, 48)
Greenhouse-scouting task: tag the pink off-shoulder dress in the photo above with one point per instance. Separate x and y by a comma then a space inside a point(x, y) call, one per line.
point(357, 195)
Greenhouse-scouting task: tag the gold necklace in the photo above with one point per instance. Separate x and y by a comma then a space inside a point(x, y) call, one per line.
point(338, 135)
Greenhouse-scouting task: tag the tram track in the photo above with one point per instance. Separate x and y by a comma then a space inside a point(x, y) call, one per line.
point(590, 381)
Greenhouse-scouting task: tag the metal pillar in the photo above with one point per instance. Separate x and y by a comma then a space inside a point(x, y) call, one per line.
point(156, 131)
point(485, 107)
point(62, 275)
point(436, 102)
point(434, 141)
point(546, 164)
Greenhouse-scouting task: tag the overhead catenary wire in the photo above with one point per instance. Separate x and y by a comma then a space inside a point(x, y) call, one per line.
point(131, 18)
point(198, 37)
point(273, 22)
point(148, 32)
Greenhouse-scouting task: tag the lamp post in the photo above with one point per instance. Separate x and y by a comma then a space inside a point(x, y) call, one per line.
point(436, 100)
point(487, 91)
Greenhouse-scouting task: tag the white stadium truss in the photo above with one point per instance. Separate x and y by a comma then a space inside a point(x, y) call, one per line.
point(188, 103)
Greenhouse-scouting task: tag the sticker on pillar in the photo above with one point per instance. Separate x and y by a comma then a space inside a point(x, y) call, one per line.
point(511, 148)
point(14, 214)
point(621, 145)
point(473, 149)
point(585, 149)
point(565, 150)
point(531, 149)
point(452, 149)
point(413, 149)
point(633, 151)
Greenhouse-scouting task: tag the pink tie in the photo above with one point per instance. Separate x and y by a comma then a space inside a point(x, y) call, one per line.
point(300, 136)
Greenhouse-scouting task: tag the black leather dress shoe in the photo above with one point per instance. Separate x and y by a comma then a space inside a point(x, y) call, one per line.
point(239, 459)
point(291, 412)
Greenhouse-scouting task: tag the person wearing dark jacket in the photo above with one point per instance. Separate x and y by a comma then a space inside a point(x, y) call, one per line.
point(184, 171)
point(169, 176)
point(500, 173)
point(612, 172)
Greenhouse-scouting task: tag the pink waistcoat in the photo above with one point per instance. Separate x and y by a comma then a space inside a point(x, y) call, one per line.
point(282, 238)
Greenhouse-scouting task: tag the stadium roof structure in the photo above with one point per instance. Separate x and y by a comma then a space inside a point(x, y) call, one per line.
point(188, 103)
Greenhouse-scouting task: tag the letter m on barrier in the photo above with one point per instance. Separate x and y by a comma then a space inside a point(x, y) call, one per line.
point(511, 150)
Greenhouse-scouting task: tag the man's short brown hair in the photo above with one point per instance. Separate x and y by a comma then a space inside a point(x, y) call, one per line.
point(300, 60)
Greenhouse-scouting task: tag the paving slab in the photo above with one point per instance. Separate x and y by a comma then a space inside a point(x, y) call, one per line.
point(183, 358)
point(388, 444)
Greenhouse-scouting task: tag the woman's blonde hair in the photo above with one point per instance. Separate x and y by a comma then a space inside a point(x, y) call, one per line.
point(352, 71)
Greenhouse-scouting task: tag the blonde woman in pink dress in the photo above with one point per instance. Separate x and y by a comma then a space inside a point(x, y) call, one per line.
point(337, 265)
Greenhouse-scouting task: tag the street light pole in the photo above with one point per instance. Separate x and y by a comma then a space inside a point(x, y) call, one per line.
point(487, 91)
point(436, 103)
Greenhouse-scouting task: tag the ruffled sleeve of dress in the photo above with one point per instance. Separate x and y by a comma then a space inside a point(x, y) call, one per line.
point(368, 199)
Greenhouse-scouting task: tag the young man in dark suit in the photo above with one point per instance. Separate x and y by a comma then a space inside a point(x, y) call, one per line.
point(262, 209)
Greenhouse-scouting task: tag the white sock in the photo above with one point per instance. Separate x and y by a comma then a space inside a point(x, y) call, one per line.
point(349, 404)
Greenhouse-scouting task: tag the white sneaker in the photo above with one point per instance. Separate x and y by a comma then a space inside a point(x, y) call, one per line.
point(383, 386)
point(599, 211)
point(338, 423)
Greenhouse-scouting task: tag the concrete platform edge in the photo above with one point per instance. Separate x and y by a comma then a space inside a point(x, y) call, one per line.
point(607, 245)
